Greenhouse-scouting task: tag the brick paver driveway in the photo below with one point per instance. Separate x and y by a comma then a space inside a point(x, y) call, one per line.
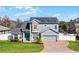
point(53, 46)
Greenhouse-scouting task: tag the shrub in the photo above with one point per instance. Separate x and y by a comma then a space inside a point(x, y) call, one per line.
point(15, 40)
point(10, 38)
point(77, 37)
point(37, 39)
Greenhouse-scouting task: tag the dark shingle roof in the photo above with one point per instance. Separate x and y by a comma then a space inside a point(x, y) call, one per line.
point(47, 20)
point(18, 27)
point(16, 31)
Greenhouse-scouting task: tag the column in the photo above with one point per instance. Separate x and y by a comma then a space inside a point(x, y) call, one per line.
point(24, 39)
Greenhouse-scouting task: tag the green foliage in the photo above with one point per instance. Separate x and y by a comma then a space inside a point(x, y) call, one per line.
point(16, 40)
point(74, 45)
point(63, 26)
point(37, 39)
point(18, 47)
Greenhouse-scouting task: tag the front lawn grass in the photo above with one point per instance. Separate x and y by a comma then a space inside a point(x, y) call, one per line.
point(74, 45)
point(19, 47)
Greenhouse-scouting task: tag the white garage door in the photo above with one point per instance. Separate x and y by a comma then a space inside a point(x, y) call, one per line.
point(49, 37)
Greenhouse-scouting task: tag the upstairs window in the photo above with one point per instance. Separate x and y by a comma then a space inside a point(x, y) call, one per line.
point(35, 26)
point(55, 26)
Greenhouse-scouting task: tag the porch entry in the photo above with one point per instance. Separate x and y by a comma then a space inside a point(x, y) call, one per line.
point(27, 35)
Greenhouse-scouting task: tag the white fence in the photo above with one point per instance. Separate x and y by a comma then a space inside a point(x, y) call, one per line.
point(4, 36)
point(71, 37)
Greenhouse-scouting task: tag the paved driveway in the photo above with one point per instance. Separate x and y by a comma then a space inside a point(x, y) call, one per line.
point(53, 46)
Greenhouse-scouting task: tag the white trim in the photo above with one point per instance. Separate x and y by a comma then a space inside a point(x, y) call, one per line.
point(45, 29)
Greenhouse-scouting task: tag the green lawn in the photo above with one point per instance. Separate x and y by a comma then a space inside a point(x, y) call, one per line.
point(6, 46)
point(74, 45)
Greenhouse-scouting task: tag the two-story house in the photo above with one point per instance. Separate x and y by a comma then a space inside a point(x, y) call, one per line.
point(46, 27)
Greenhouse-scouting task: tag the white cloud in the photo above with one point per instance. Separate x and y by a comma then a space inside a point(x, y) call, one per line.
point(26, 13)
point(56, 15)
point(73, 16)
point(29, 11)
point(19, 7)
point(27, 7)
point(23, 7)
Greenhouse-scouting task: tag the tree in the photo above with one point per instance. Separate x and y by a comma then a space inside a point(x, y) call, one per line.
point(37, 38)
point(63, 26)
point(71, 27)
point(0, 20)
point(6, 21)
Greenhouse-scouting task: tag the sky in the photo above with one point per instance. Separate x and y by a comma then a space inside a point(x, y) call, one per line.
point(63, 13)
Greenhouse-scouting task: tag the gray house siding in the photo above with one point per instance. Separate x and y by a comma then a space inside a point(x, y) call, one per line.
point(41, 27)
point(47, 34)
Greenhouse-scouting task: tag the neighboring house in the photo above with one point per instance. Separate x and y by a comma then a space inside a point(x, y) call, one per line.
point(4, 30)
point(72, 28)
point(76, 25)
point(20, 30)
point(46, 27)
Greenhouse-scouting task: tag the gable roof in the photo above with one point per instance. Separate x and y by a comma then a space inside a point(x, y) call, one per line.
point(48, 29)
point(45, 20)
point(2, 28)
point(19, 26)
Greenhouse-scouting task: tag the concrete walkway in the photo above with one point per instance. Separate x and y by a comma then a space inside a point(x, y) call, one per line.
point(57, 47)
